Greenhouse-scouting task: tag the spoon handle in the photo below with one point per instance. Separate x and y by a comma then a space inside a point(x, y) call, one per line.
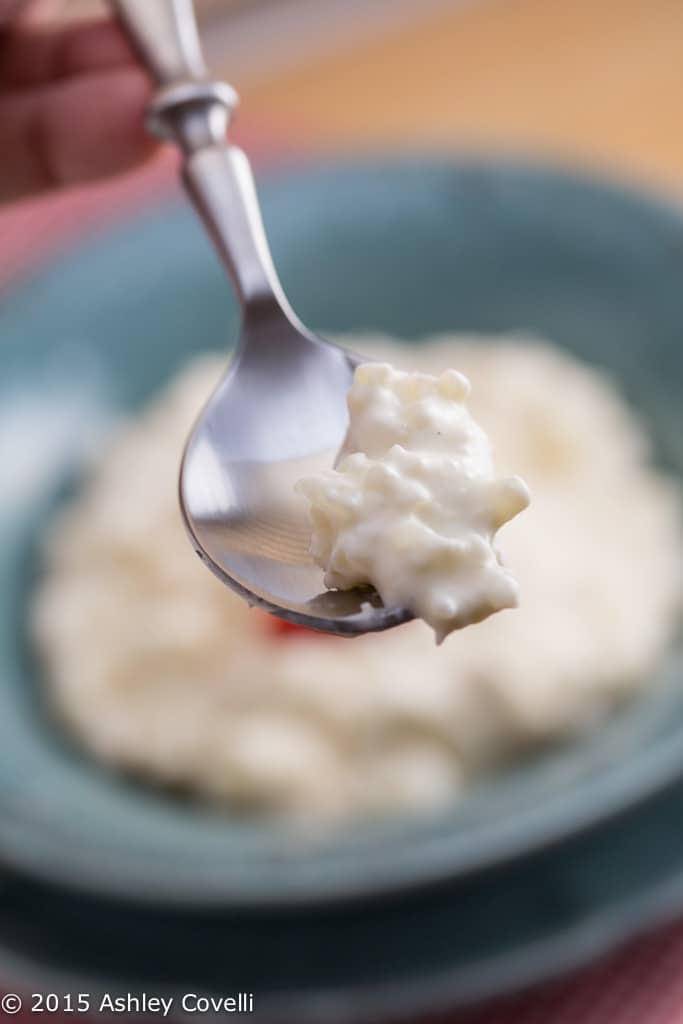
point(194, 111)
point(165, 34)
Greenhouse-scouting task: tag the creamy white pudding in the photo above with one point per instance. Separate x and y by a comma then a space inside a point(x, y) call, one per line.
point(413, 504)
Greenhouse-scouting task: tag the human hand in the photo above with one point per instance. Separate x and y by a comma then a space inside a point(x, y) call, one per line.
point(72, 101)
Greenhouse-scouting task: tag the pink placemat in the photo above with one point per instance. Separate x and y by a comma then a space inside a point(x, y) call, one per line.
point(639, 984)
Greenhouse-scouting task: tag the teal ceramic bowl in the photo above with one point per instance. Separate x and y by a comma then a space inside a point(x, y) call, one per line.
point(408, 249)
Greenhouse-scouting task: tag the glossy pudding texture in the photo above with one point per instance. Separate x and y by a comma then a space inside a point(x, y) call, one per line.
point(413, 504)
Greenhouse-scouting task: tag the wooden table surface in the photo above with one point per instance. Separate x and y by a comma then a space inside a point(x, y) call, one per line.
point(598, 83)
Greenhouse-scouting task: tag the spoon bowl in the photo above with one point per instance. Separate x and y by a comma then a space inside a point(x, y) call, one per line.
point(279, 414)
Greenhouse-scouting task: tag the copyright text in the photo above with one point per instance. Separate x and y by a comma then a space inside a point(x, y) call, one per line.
point(127, 1003)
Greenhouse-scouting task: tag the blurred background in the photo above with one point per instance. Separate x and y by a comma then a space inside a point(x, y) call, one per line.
point(593, 81)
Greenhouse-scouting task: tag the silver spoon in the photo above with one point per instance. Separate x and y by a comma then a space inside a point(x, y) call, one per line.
point(280, 412)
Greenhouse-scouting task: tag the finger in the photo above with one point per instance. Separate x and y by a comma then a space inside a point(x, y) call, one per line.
point(36, 12)
point(34, 57)
point(9, 9)
point(85, 128)
point(30, 12)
